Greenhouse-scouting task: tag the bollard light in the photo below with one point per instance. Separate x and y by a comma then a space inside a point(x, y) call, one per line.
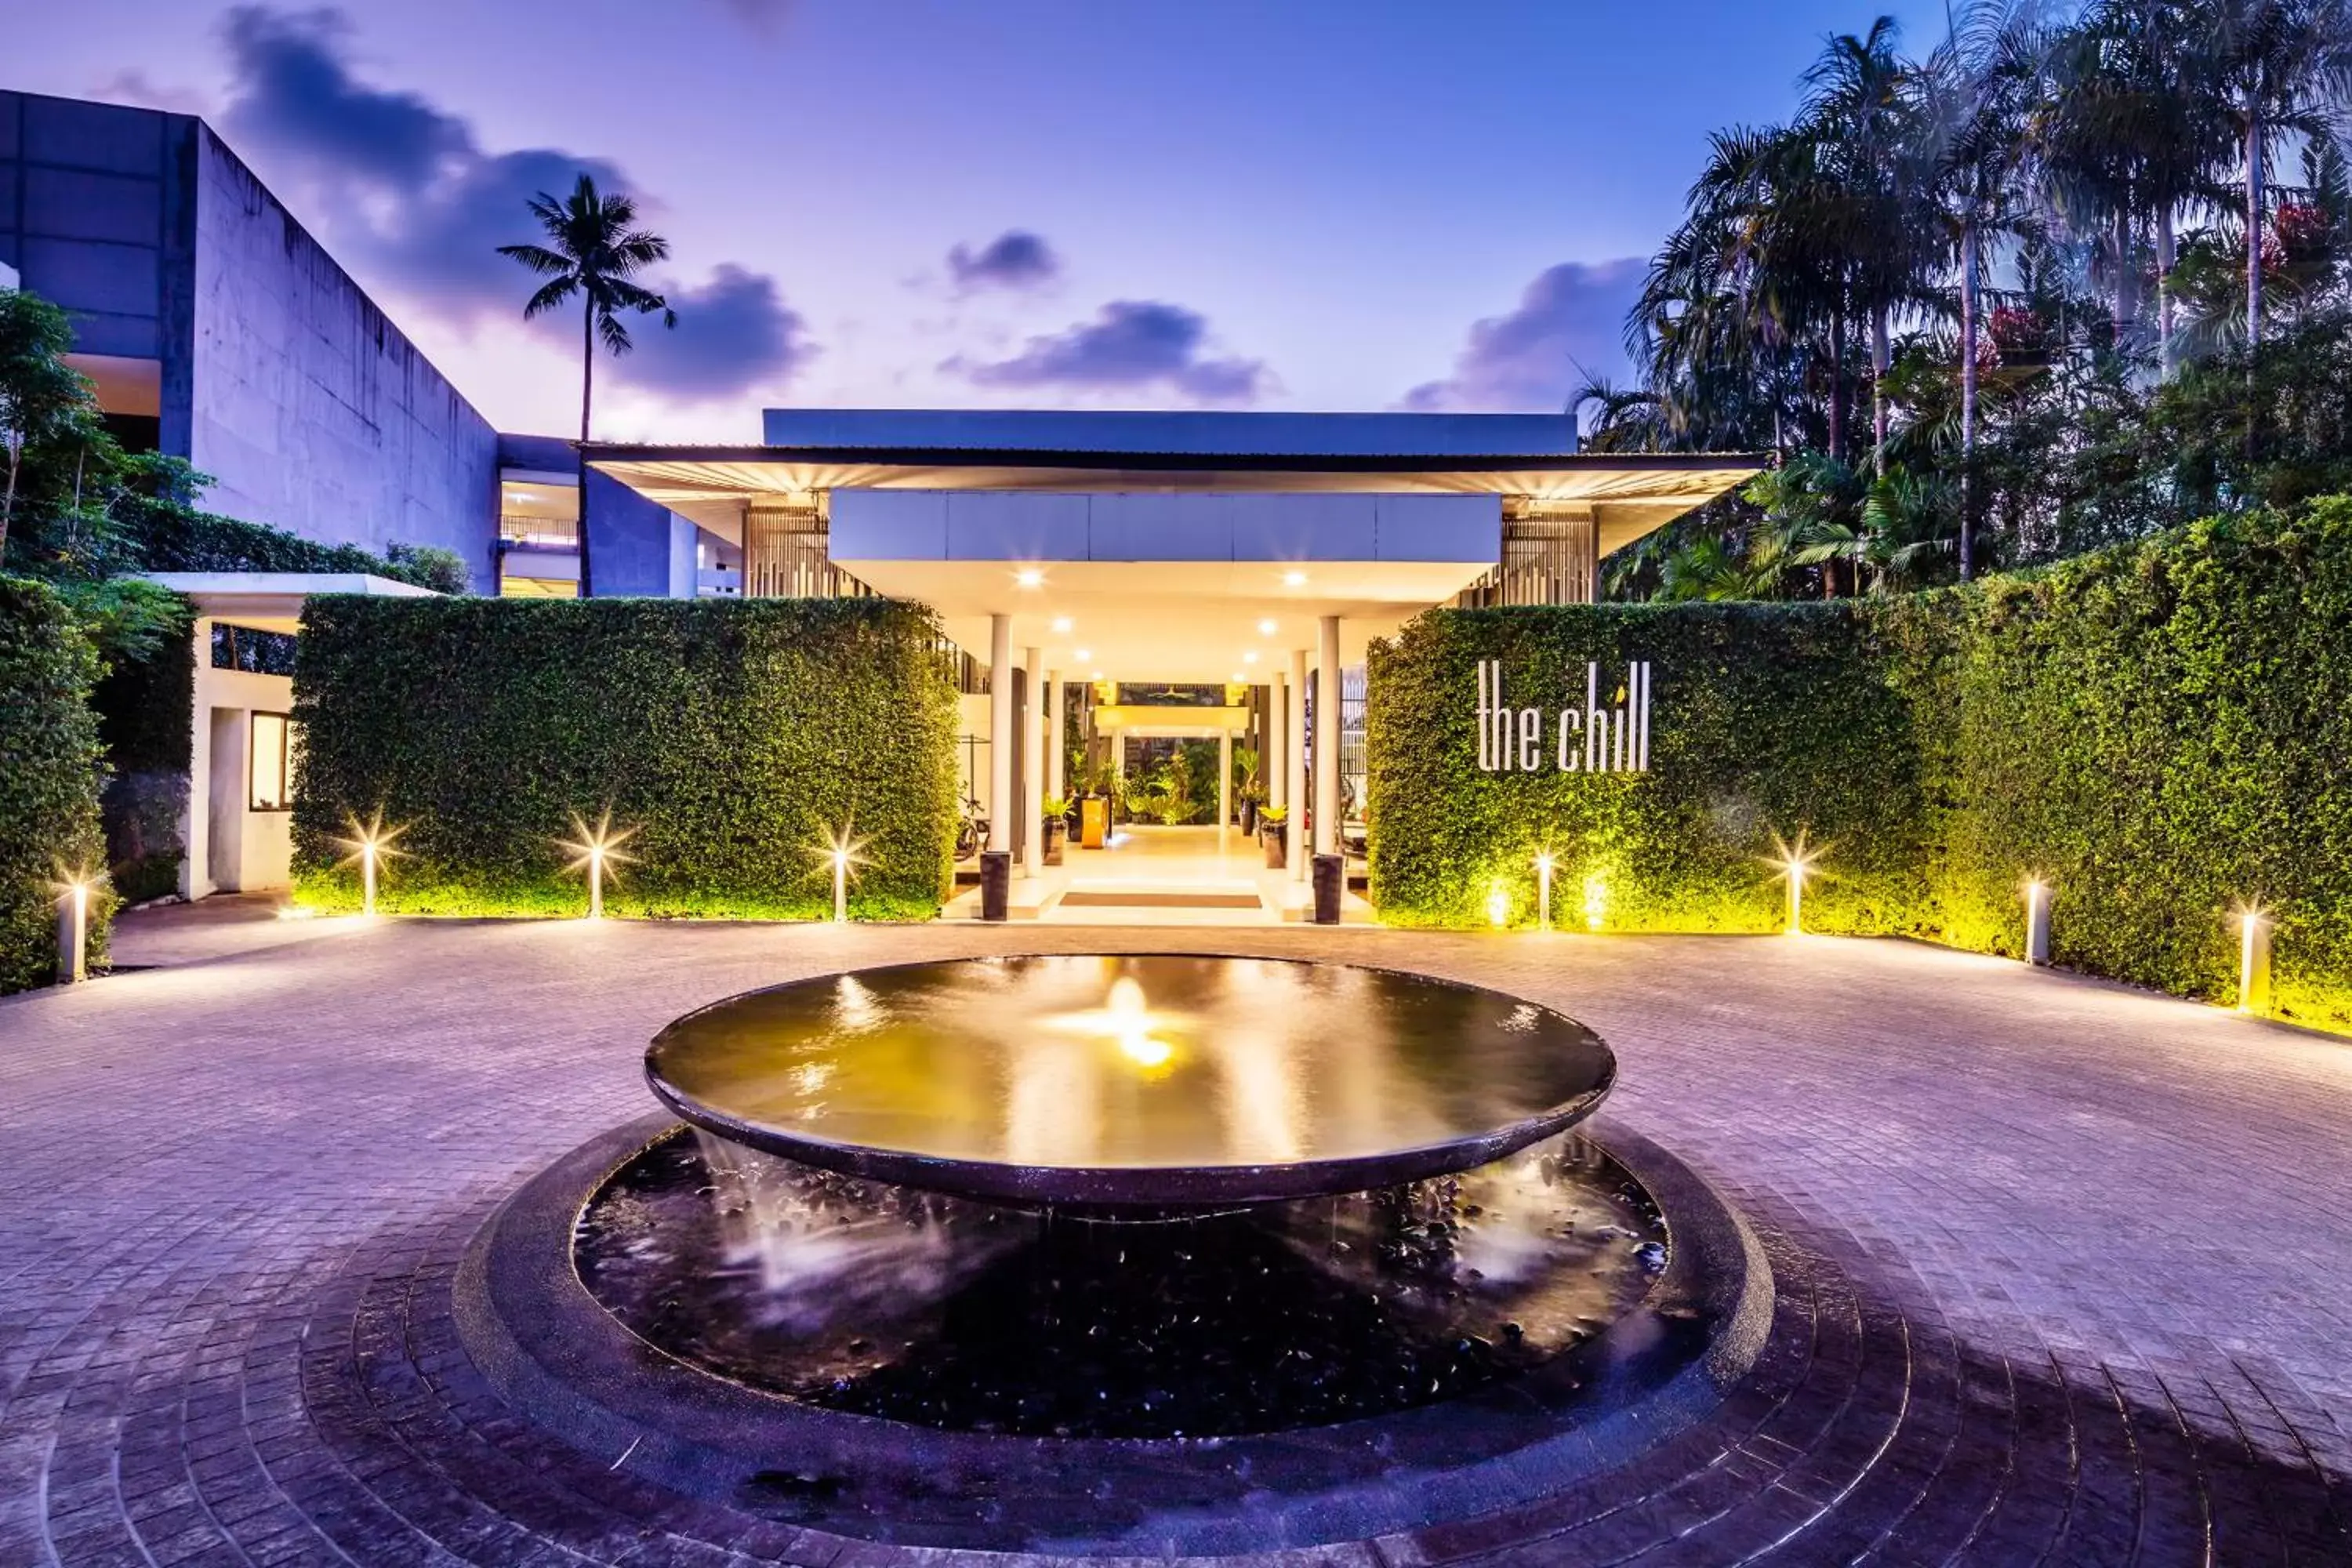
point(73, 929)
point(596, 850)
point(371, 845)
point(2037, 922)
point(842, 854)
point(1795, 863)
point(1543, 891)
point(2253, 959)
point(1596, 901)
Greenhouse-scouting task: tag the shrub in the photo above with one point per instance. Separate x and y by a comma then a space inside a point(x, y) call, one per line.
point(49, 774)
point(2157, 731)
point(735, 738)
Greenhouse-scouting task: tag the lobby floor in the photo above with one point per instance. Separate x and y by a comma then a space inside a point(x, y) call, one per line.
point(2064, 1269)
point(1151, 875)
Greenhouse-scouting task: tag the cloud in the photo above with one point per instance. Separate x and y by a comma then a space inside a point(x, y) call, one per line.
point(136, 87)
point(295, 92)
point(1130, 345)
point(409, 196)
point(1014, 260)
point(733, 334)
point(1526, 360)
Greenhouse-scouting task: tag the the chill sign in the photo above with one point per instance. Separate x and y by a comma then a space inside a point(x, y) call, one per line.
point(1593, 739)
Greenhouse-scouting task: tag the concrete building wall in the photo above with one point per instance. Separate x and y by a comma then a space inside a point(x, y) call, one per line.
point(635, 546)
point(311, 409)
point(98, 213)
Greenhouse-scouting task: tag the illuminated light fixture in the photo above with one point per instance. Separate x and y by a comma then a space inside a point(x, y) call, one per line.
point(1098, 675)
point(1795, 863)
point(1030, 577)
point(1294, 579)
point(2253, 959)
point(1085, 655)
point(841, 855)
point(2037, 921)
point(73, 927)
point(1249, 655)
point(1061, 623)
point(1498, 906)
point(1543, 891)
point(371, 845)
point(1266, 628)
point(596, 849)
point(1596, 901)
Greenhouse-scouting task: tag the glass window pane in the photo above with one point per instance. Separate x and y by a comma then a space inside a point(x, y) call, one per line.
point(269, 756)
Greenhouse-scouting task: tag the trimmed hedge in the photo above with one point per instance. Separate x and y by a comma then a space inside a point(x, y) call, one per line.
point(2158, 731)
point(736, 738)
point(50, 768)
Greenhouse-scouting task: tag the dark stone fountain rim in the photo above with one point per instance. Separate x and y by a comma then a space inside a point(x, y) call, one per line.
point(1137, 1188)
point(549, 1348)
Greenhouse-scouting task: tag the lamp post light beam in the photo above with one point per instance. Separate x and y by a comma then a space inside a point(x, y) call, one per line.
point(73, 929)
point(371, 845)
point(597, 848)
point(842, 854)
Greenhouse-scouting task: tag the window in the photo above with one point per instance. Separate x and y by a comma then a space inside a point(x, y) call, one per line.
point(252, 649)
point(270, 755)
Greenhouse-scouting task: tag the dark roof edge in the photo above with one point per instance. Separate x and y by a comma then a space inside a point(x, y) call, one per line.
point(1248, 462)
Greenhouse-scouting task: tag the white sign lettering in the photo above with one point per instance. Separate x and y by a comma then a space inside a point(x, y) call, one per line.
point(1593, 739)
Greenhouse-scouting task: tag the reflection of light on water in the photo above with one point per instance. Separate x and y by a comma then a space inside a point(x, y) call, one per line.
point(855, 1006)
point(1126, 1021)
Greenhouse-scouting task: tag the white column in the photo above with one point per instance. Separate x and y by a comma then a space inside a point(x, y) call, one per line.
point(195, 819)
point(1327, 738)
point(1277, 740)
point(1224, 781)
point(1295, 748)
point(1057, 746)
point(1033, 766)
point(999, 732)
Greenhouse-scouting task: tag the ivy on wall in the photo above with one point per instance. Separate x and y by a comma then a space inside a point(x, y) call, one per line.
point(735, 738)
point(50, 768)
point(2157, 731)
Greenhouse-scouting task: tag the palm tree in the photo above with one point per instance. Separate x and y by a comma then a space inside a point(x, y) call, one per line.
point(2279, 67)
point(593, 250)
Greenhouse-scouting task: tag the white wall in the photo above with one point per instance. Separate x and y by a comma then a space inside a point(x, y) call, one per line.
point(261, 858)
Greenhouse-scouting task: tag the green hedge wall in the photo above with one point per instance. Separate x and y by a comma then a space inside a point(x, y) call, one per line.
point(736, 738)
point(50, 769)
point(2158, 732)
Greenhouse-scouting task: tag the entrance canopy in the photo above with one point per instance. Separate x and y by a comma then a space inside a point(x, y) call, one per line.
point(1189, 547)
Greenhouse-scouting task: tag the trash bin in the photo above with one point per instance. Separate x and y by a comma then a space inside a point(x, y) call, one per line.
point(995, 883)
point(1330, 878)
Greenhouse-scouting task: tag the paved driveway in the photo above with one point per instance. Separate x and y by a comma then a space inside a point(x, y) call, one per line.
point(2065, 1270)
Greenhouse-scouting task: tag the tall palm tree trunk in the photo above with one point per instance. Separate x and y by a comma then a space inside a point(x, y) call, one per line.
point(1837, 384)
point(1882, 356)
point(2167, 253)
point(587, 383)
point(2127, 313)
point(2254, 231)
point(1968, 397)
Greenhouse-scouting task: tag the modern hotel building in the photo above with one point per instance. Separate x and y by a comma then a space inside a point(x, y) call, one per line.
point(1065, 553)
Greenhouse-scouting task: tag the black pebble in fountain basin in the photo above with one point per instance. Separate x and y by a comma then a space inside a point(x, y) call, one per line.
point(1147, 1082)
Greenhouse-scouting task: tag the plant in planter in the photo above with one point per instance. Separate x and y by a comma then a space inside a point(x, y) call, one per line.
point(1271, 824)
point(1056, 827)
point(1249, 793)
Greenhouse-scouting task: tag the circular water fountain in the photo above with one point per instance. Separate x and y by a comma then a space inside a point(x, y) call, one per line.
point(1156, 1081)
point(1131, 1239)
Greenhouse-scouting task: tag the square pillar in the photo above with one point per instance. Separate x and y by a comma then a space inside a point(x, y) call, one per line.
point(1224, 781)
point(1327, 738)
point(1000, 732)
point(1033, 764)
point(1294, 762)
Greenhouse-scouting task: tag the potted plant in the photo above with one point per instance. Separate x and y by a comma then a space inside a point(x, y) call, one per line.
point(1271, 823)
point(1248, 792)
point(1056, 827)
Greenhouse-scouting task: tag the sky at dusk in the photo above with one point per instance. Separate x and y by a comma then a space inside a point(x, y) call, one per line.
point(1284, 204)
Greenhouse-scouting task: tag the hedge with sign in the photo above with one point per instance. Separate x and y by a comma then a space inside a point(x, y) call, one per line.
point(733, 740)
point(2157, 732)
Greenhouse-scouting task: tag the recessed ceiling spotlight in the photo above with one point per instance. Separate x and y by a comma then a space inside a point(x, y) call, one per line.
point(1085, 655)
point(1029, 577)
point(1294, 579)
point(1266, 628)
point(1061, 623)
point(1249, 655)
point(1238, 680)
point(1098, 675)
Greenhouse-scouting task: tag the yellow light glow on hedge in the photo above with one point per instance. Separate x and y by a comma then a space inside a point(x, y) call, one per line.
point(1596, 901)
point(1543, 891)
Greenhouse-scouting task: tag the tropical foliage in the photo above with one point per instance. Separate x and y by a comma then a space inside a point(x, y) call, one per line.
point(2065, 279)
point(50, 769)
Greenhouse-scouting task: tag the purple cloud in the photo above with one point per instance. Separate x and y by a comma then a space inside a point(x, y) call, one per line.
point(1014, 260)
point(1527, 360)
point(407, 191)
point(1130, 345)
